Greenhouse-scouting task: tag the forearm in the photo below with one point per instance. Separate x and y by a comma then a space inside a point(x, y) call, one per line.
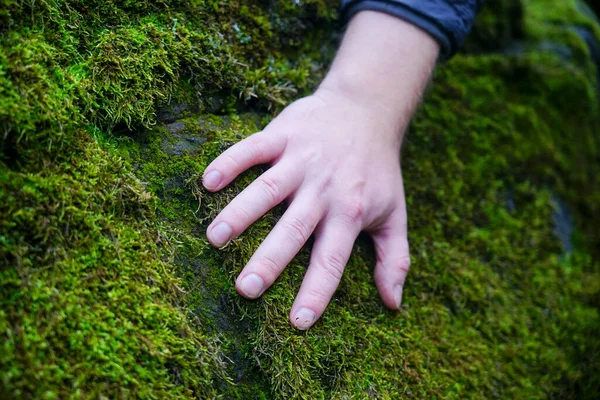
point(384, 62)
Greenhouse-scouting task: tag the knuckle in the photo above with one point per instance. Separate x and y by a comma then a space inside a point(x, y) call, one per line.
point(271, 187)
point(232, 160)
point(313, 155)
point(297, 230)
point(318, 297)
point(354, 210)
point(324, 183)
point(254, 147)
point(239, 214)
point(333, 264)
point(268, 265)
point(404, 263)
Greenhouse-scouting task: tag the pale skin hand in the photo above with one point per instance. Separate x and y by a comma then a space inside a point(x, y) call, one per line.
point(334, 157)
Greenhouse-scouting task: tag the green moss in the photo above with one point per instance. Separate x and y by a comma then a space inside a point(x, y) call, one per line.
point(498, 25)
point(89, 304)
point(109, 287)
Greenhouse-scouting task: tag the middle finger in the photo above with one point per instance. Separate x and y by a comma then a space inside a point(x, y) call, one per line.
point(281, 245)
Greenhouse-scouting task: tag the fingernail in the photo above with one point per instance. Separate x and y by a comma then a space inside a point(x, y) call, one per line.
point(221, 234)
point(252, 285)
point(212, 179)
point(398, 295)
point(304, 319)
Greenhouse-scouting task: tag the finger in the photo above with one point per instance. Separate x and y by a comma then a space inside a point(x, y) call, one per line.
point(330, 255)
point(260, 148)
point(268, 190)
point(279, 248)
point(393, 259)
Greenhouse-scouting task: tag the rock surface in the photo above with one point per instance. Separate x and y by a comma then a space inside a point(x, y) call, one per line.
point(108, 288)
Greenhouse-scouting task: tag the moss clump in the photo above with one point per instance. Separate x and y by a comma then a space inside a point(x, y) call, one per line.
point(89, 304)
point(109, 287)
point(497, 26)
point(111, 63)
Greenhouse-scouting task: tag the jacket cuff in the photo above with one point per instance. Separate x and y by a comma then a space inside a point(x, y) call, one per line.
point(397, 9)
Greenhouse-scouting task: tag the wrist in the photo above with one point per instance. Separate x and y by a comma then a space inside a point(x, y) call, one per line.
point(360, 91)
point(384, 63)
point(377, 123)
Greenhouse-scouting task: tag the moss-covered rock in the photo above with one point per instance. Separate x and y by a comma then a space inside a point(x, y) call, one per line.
point(108, 288)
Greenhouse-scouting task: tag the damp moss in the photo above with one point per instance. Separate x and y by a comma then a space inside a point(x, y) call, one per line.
point(89, 303)
point(111, 112)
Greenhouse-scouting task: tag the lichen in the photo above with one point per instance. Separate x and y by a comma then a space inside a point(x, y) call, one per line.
point(111, 111)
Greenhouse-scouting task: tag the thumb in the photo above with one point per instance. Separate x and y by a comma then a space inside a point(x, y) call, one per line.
point(393, 259)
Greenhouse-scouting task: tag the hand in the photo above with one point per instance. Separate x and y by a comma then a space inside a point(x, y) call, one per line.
point(335, 157)
point(336, 160)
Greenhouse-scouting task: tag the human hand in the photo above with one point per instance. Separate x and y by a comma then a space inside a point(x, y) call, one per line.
point(335, 157)
point(336, 161)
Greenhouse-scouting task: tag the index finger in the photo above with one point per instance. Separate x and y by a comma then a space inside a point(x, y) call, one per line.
point(259, 148)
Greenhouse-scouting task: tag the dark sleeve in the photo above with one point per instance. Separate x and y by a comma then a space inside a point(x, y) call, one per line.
point(448, 21)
